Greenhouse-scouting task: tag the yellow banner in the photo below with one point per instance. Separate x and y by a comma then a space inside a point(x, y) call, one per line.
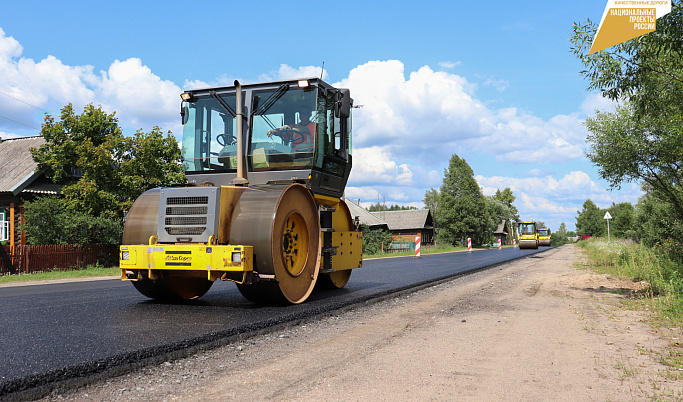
point(628, 19)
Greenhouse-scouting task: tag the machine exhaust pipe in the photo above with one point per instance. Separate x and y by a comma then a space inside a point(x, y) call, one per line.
point(241, 179)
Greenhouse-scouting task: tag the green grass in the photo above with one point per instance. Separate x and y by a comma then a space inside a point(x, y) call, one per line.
point(90, 271)
point(626, 259)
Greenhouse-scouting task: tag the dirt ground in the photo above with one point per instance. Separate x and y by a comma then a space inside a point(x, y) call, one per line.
point(534, 329)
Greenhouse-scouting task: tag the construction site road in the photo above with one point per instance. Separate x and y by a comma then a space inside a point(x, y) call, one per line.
point(69, 333)
point(535, 329)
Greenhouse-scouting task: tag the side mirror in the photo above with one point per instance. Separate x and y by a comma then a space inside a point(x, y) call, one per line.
point(342, 107)
point(183, 112)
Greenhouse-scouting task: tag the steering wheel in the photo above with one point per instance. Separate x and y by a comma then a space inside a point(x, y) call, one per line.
point(293, 136)
point(225, 139)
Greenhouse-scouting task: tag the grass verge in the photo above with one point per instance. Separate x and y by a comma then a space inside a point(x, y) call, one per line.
point(626, 259)
point(90, 271)
point(663, 299)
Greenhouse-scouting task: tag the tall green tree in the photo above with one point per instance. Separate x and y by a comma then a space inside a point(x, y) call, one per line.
point(648, 148)
point(508, 198)
point(462, 209)
point(381, 207)
point(589, 220)
point(102, 170)
point(642, 139)
point(623, 217)
point(654, 223)
point(645, 70)
point(559, 236)
point(431, 202)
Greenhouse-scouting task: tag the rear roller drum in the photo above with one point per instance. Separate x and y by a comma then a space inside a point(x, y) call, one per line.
point(334, 280)
point(282, 223)
point(296, 245)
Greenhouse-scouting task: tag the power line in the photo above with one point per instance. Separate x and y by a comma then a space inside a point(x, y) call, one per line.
point(17, 99)
point(18, 122)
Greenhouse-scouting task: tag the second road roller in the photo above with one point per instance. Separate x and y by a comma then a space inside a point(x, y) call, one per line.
point(544, 237)
point(527, 234)
point(263, 207)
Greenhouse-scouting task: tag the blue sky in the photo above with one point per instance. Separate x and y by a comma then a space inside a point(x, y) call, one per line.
point(494, 82)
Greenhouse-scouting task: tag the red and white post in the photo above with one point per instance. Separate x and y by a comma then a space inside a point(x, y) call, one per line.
point(417, 246)
point(469, 245)
point(514, 242)
point(500, 244)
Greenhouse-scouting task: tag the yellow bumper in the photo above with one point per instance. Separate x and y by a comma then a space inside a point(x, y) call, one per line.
point(214, 259)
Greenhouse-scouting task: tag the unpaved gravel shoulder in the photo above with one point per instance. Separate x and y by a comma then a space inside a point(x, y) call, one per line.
point(533, 329)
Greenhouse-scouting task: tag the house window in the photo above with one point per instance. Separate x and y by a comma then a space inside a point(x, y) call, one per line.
point(4, 226)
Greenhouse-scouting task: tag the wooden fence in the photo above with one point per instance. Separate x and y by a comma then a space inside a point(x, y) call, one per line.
point(60, 257)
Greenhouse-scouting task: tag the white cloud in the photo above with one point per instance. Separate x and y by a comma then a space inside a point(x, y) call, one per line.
point(286, 72)
point(422, 117)
point(140, 98)
point(595, 101)
point(427, 116)
point(6, 136)
point(498, 84)
point(373, 165)
point(409, 126)
point(553, 201)
point(450, 64)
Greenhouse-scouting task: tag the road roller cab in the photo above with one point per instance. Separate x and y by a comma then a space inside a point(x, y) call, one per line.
point(527, 234)
point(543, 237)
point(266, 166)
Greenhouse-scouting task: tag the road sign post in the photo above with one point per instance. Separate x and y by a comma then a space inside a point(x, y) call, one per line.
point(607, 217)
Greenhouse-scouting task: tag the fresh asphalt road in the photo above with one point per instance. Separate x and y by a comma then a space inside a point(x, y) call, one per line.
point(56, 332)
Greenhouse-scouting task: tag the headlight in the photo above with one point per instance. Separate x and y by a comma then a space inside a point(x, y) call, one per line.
point(236, 257)
point(125, 255)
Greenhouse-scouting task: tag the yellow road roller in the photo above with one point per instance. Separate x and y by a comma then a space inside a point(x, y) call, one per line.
point(266, 166)
point(527, 234)
point(543, 237)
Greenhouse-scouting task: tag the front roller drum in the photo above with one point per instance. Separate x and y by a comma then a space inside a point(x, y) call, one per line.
point(283, 225)
point(533, 244)
point(141, 224)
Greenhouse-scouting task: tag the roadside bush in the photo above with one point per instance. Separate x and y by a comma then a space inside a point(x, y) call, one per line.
point(48, 221)
point(375, 240)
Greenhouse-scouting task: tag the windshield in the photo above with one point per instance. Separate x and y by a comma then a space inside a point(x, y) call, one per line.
point(284, 129)
point(544, 232)
point(527, 228)
point(209, 141)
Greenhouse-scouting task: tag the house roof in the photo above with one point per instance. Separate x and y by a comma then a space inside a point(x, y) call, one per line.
point(17, 168)
point(406, 220)
point(502, 228)
point(365, 217)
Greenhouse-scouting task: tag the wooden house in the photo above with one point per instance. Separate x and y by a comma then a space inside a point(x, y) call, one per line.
point(504, 233)
point(406, 225)
point(19, 181)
